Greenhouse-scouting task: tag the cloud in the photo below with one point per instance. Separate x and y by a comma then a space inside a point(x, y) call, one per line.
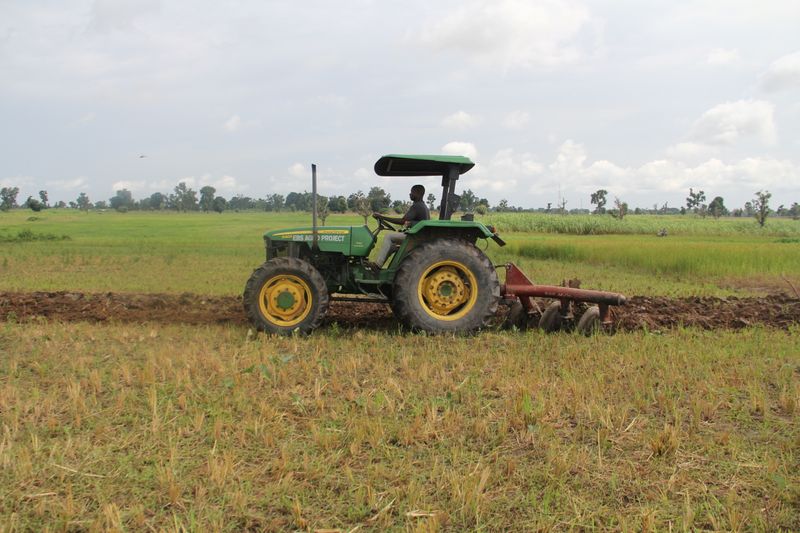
point(459, 120)
point(233, 123)
point(516, 120)
point(783, 74)
point(66, 185)
point(723, 57)
point(572, 169)
point(108, 15)
point(726, 124)
point(129, 185)
point(503, 172)
point(18, 181)
point(513, 33)
point(298, 170)
point(227, 183)
point(461, 148)
point(88, 117)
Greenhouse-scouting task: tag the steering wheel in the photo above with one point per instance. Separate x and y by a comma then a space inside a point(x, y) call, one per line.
point(383, 225)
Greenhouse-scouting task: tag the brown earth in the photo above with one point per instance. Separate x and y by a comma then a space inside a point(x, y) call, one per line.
point(642, 312)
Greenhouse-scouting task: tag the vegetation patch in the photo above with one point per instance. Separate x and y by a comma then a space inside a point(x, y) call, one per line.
point(27, 235)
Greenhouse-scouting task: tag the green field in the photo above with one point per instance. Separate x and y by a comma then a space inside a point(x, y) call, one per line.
point(214, 254)
point(154, 427)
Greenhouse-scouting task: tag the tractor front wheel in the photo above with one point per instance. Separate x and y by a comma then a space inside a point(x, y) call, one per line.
point(286, 294)
point(446, 286)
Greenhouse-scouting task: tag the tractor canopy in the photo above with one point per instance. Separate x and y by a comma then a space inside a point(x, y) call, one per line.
point(421, 165)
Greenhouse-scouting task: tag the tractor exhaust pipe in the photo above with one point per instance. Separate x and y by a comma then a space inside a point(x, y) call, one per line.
point(314, 206)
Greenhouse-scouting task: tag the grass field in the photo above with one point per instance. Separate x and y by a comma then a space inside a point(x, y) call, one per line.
point(214, 254)
point(154, 427)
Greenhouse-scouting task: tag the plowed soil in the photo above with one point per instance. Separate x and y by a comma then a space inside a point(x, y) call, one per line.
point(652, 313)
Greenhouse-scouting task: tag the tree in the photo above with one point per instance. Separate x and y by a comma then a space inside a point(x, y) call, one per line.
point(431, 201)
point(43, 198)
point(220, 204)
point(468, 200)
point(275, 202)
point(378, 199)
point(363, 208)
point(157, 201)
point(61, 204)
point(322, 209)
point(695, 200)
point(481, 209)
point(298, 201)
point(562, 206)
point(620, 209)
point(207, 198)
point(83, 202)
point(400, 207)
point(717, 207)
point(502, 206)
point(122, 201)
point(599, 199)
point(33, 204)
point(353, 199)
point(185, 198)
point(337, 204)
point(761, 206)
point(8, 198)
point(794, 211)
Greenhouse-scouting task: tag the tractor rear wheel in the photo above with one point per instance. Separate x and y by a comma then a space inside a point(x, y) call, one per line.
point(286, 294)
point(446, 286)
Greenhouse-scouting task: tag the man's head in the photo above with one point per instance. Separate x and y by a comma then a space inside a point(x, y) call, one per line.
point(417, 193)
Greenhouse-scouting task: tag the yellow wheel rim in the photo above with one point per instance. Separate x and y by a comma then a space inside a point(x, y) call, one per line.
point(285, 300)
point(447, 290)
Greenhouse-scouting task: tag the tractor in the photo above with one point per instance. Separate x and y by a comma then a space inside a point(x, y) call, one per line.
point(437, 280)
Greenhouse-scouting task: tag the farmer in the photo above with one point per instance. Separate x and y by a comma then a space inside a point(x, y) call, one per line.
point(418, 211)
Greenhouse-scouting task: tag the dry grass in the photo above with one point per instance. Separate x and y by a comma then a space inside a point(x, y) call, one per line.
point(169, 428)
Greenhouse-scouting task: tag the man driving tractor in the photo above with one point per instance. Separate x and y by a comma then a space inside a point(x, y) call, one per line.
point(418, 211)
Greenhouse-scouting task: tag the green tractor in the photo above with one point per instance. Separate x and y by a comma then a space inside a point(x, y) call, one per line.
point(437, 280)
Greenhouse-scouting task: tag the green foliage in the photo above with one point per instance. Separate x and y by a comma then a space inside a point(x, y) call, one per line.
point(761, 207)
point(636, 225)
point(8, 198)
point(27, 235)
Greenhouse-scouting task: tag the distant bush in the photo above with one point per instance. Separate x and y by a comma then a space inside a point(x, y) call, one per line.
point(27, 235)
point(635, 225)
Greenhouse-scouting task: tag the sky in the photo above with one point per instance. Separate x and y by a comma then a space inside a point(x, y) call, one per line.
point(551, 98)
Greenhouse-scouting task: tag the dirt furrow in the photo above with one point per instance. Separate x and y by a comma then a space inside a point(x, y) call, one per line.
point(653, 313)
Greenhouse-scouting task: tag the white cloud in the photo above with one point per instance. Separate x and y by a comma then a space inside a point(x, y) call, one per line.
point(190, 181)
point(227, 183)
point(723, 57)
point(233, 123)
point(503, 172)
point(782, 74)
point(298, 170)
point(725, 124)
point(17, 181)
point(516, 120)
point(513, 33)
point(461, 148)
point(110, 15)
point(130, 185)
point(85, 119)
point(73, 184)
point(459, 120)
point(688, 150)
point(363, 174)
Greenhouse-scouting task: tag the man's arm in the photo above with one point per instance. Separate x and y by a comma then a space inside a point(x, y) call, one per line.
point(393, 220)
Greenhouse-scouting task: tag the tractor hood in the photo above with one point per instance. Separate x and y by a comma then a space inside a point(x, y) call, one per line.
point(421, 165)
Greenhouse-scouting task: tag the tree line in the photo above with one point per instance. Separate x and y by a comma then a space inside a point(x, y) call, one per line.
point(184, 198)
